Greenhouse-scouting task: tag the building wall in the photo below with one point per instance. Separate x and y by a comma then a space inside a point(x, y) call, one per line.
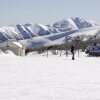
point(17, 51)
point(12, 47)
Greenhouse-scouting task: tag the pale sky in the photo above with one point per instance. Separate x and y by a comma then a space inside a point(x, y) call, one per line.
point(47, 11)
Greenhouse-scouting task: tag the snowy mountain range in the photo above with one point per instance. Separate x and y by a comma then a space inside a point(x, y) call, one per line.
point(37, 35)
point(59, 38)
point(29, 30)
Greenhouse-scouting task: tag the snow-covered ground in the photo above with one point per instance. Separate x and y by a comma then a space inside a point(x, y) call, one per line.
point(38, 77)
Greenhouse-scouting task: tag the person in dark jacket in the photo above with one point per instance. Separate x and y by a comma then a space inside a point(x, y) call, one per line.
point(72, 51)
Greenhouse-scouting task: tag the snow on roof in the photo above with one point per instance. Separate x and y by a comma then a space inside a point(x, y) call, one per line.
point(18, 44)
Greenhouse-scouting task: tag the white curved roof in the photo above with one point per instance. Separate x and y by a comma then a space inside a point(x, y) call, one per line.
point(18, 44)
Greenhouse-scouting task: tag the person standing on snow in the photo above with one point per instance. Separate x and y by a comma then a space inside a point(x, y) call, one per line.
point(72, 51)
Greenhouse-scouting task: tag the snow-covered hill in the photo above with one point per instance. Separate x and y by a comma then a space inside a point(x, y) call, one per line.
point(59, 38)
point(20, 32)
point(73, 24)
point(29, 30)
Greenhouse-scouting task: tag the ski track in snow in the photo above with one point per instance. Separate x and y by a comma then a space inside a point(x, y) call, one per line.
point(37, 77)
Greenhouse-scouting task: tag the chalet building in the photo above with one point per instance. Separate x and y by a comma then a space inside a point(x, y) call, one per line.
point(16, 47)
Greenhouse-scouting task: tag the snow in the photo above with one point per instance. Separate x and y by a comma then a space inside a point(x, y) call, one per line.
point(43, 26)
point(1, 52)
point(72, 23)
point(82, 23)
point(38, 77)
point(8, 52)
point(18, 44)
point(29, 30)
point(65, 23)
point(86, 32)
point(35, 42)
point(59, 38)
